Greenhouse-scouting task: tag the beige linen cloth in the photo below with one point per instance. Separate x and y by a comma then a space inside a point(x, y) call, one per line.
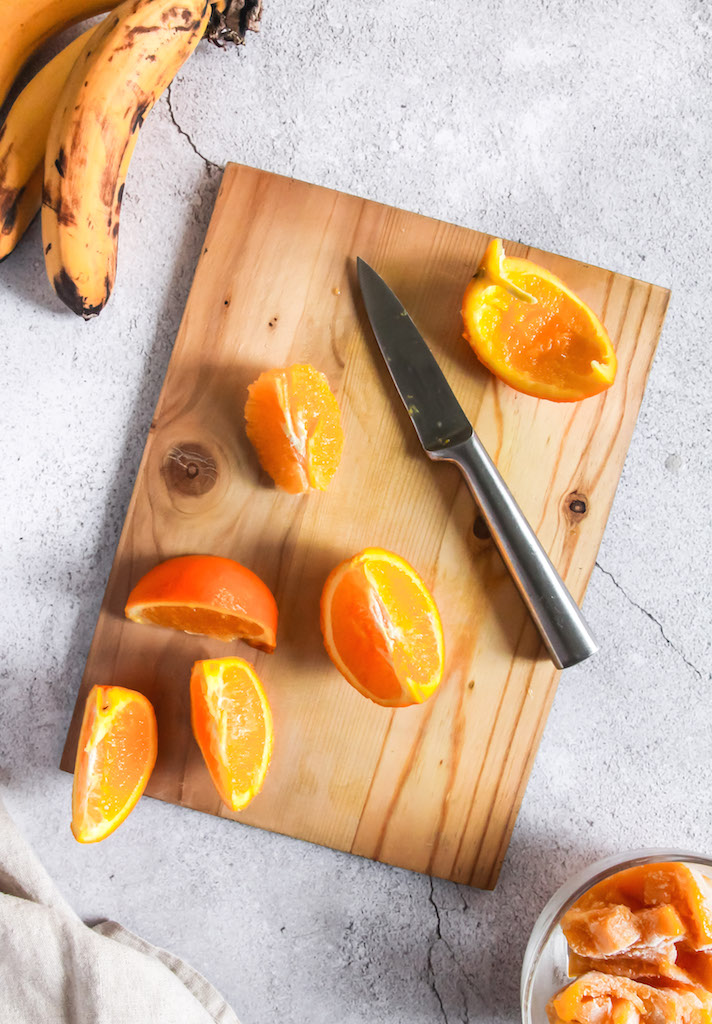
point(54, 969)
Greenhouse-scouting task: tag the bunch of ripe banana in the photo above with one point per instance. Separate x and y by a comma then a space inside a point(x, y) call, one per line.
point(67, 141)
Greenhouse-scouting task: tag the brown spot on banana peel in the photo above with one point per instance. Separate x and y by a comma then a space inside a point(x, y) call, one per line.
point(63, 214)
point(9, 207)
point(139, 115)
point(68, 292)
point(61, 162)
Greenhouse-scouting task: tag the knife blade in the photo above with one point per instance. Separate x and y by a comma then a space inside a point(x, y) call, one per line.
point(437, 416)
point(446, 434)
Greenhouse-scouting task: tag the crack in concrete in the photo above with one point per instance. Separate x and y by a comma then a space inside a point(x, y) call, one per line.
point(439, 937)
point(208, 163)
point(652, 618)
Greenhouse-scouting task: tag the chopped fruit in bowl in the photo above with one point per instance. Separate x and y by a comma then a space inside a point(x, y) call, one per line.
point(382, 629)
point(115, 757)
point(232, 725)
point(530, 330)
point(627, 941)
point(293, 422)
point(209, 596)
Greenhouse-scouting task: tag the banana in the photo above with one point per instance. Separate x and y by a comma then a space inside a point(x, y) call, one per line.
point(120, 74)
point(26, 24)
point(23, 139)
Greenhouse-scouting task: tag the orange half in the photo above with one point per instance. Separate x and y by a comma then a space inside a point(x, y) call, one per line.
point(232, 725)
point(382, 629)
point(293, 422)
point(533, 332)
point(207, 595)
point(115, 757)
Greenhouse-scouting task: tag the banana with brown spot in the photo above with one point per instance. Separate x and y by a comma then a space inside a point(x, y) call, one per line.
point(23, 139)
point(129, 61)
point(26, 24)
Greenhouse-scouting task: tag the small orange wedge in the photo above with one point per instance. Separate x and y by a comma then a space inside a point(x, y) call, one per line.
point(293, 422)
point(115, 758)
point(232, 725)
point(382, 629)
point(207, 595)
point(533, 332)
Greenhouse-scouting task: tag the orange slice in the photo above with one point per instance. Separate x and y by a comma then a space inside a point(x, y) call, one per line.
point(293, 422)
point(232, 725)
point(382, 628)
point(533, 332)
point(115, 757)
point(207, 595)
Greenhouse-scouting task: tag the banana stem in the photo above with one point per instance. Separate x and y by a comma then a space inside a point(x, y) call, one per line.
point(232, 19)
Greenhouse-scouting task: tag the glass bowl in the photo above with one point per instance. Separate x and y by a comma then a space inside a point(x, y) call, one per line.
point(544, 970)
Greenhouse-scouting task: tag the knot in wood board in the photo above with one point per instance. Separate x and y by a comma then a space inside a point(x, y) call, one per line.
point(189, 469)
point(480, 528)
point(575, 506)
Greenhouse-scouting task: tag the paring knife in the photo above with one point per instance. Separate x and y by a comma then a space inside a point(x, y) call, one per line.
point(446, 434)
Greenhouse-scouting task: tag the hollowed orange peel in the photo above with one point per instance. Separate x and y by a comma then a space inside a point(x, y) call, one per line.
point(527, 327)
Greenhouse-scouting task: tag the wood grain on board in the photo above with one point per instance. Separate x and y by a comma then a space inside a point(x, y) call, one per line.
point(434, 788)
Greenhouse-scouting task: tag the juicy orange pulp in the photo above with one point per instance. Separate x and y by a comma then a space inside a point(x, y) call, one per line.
point(293, 422)
point(207, 595)
point(232, 725)
point(382, 629)
point(115, 757)
point(533, 332)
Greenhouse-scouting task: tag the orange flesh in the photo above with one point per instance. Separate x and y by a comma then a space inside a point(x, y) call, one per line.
point(382, 630)
point(597, 998)
point(533, 332)
point(649, 926)
point(656, 885)
point(293, 422)
point(232, 725)
point(550, 340)
point(202, 621)
point(115, 756)
point(600, 931)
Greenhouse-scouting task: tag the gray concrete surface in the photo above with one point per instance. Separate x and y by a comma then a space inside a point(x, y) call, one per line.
point(581, 127)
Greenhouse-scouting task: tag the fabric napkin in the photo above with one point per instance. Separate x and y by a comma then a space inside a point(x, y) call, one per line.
point(54, 969)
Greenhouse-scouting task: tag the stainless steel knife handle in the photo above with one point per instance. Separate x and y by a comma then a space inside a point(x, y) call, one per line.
point(554, 611)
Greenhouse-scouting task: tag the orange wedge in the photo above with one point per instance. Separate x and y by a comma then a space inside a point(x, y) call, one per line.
point(232, 725)
point(207, 595)
point(293, 422)
point(115, 757)
point(382, 628)
point(533, 332)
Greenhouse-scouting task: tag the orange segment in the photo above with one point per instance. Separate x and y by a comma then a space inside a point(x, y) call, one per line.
point(382, 628)
point(660, 885)
point(533, 332)
point(207, 595)
point(292, 419)
point(232, 725)
point(115, 757)
point(597, 998)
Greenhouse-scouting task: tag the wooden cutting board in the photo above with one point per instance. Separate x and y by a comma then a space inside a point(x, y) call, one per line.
point(434, 788)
